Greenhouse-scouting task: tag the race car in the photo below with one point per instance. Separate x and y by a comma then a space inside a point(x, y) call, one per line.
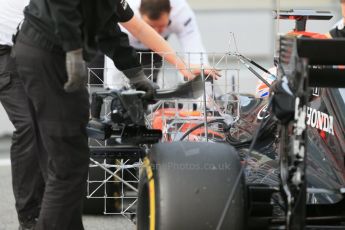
point(280, 166)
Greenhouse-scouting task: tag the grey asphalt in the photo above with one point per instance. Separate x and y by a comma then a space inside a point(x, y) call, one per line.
point(8, 219)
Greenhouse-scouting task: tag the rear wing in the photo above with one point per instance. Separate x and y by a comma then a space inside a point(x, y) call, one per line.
point(302, 16)
point(324, 60)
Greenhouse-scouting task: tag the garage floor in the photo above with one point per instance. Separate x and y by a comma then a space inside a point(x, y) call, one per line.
point(8, 218)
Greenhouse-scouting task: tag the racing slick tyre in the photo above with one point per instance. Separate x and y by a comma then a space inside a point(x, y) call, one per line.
point(186, 185)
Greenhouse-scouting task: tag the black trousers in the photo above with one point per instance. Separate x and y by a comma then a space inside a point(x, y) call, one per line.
point(60, 120)
point(27, 182)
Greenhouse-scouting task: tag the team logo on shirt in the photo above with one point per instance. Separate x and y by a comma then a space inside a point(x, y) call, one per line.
point(187, 21)
point(124, 4)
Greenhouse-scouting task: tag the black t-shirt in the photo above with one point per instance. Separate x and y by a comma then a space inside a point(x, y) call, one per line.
point(88, 24)
point(123, 11)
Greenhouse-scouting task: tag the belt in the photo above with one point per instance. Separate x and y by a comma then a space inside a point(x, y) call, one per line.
point(37, 38)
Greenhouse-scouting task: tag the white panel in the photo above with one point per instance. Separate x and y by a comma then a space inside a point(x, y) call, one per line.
point(253, 30)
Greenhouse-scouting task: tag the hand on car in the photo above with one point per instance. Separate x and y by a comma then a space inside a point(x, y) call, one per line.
point(195, 70)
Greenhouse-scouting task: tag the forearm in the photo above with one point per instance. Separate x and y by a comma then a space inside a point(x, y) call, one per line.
point(150, 38)
point(115, 44)
point(194, 49)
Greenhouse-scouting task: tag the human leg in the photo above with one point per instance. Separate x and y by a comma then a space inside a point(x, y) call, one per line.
point(27, 180)
point(61, 119)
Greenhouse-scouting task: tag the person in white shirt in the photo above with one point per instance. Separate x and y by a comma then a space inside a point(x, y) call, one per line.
point(11, 13)
point(167, 17)
point(27, 187)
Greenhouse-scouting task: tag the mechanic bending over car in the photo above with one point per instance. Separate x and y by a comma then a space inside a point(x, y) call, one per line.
point(27, 189)
point(53, 40)
point(167, 17)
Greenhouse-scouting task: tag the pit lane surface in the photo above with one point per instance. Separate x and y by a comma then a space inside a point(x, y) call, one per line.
point(8, 218)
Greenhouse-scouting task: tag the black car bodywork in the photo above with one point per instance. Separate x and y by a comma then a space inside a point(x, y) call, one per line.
point(309, 147)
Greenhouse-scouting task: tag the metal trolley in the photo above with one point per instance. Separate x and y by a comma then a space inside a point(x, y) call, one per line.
point(114, 166)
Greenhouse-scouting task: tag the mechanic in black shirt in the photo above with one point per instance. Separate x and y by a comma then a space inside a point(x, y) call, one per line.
point(53, 41)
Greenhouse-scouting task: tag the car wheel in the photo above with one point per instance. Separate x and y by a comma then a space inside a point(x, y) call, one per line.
point(186, 185)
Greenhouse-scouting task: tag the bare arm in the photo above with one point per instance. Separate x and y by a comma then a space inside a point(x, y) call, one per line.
point(150, 38)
